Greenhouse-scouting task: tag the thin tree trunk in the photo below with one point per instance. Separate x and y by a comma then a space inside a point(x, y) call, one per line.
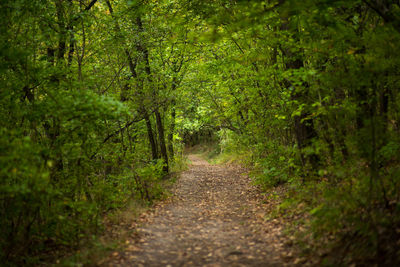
point(172, 131)
point(161, 136)
point(62, 39)
point(132, 67)
point(172, 126)
point(161, 139)
point(151, 137)
point(303, 128)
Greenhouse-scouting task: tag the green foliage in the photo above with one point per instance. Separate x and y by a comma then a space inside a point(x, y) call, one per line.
point(97, 102)
point(48, 199)
point(148, 181)
point(74, 142)
point(308, 92)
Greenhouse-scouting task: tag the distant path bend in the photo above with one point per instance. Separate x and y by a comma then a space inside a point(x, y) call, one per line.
point(214, 219)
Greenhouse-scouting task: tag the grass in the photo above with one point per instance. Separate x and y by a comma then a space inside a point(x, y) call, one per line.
point(213, 154)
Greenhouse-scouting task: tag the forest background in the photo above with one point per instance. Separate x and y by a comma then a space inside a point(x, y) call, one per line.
point(98, 99)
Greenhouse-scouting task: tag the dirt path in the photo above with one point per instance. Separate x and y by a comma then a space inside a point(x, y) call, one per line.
point(214, 219)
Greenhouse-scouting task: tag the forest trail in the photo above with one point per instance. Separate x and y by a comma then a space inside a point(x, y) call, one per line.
point(215, 218)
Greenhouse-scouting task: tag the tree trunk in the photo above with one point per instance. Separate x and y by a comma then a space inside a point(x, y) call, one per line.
point(151, 137)
point(62, 38)
point(161, 138)
point(172, 131)
point(172, 126)
point(303, 129)
point(132, 67)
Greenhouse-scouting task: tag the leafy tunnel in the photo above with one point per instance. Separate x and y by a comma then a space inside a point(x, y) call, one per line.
point(100, 98)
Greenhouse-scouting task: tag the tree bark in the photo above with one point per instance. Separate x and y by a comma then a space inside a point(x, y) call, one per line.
point(62, 39)
point(172, 131)
point(173, 117)
point(303, 128)
point(161, 139)
point(150, 135)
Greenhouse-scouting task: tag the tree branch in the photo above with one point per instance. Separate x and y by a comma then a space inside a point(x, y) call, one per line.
point(90, 5)
point(383, 10)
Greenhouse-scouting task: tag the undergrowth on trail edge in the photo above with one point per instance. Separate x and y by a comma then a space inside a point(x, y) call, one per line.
point(337, 216)
point(118, 224)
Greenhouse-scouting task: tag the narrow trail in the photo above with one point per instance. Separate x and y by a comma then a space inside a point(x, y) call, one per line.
point(214, 219)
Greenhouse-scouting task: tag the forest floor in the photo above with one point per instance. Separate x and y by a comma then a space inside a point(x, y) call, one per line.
point(216, 217)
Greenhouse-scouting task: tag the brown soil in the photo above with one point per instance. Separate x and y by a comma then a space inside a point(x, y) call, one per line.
point(216, 217)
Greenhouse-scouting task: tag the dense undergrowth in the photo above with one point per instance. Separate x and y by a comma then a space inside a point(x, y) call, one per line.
point(307, 94)
point(77, 143)
point(50, 212)
point(333, 221)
